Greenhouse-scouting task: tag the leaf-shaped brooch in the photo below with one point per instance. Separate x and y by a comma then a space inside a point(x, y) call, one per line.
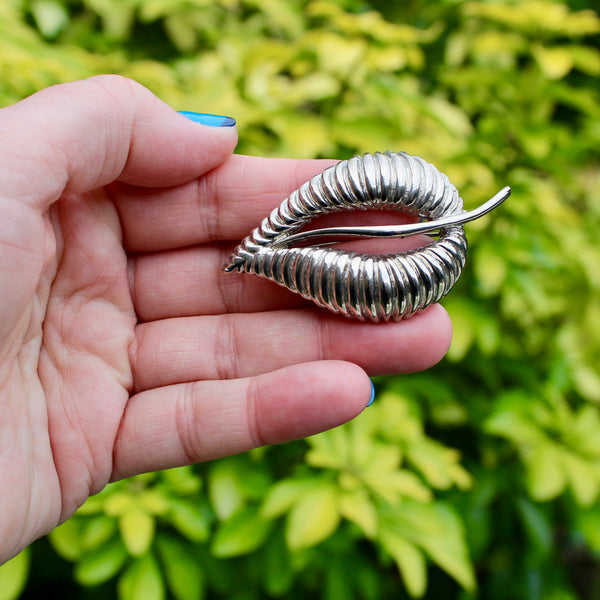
point(365, 286)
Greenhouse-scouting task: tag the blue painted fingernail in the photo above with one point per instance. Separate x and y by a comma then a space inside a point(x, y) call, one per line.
point(208, 119)
point(372, 398)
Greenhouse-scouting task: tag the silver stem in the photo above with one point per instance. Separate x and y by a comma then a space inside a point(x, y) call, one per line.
point(398, 230)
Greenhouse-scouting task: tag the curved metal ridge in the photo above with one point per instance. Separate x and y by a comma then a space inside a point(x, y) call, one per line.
point(430, 227)
point(365, 286)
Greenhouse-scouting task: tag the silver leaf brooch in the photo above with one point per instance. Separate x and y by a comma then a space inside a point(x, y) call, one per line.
point(368, 287)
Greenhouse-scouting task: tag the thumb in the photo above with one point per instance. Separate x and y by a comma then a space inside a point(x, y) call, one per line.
point(78, 136)
point(73, 138)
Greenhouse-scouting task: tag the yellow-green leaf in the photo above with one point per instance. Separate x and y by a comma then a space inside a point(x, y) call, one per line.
point(189, 519)
point(225, 490)
point(154, 502)
point(410, 561)
point(357, 507)
point(439, 464)
point(182, 480)
point(13, 576)
point(586, 59)
point(545, 473)
point(182, 569)
point(137, 531)
point(142, 581)
point(587, 380)
point(330, 449)
point(393, 485)
point(282, 495)
point(583, 476)
point(335, 53)
point(50, 16)
point(314, 517)
point(97, 530)
point(490, 268)
point(119, 503)
point(382, 458)
point(554, 62)
point(435, 528)
point(66, 539)
point(448, 547)
point(181, 32)
point(101, 564)
point(241, 534)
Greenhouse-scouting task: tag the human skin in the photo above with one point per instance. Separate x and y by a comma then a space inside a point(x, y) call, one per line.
point(124, 348)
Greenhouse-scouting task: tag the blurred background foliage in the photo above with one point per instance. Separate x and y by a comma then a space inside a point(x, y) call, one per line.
point(477, 479)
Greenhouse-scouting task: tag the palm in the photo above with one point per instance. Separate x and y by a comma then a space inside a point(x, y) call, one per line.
point(123, 346)
point(69, 386)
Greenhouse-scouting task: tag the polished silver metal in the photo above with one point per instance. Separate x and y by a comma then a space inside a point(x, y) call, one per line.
point(366, 286)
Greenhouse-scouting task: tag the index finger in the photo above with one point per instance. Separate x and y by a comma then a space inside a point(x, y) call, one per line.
point(223, 205)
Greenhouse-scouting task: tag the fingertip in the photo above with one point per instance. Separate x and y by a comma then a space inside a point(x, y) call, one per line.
point(439, 331)
point(180, 149)
point(306, 399)
point(430, 334)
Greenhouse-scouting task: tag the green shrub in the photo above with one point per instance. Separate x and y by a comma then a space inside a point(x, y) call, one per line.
point(477, 479)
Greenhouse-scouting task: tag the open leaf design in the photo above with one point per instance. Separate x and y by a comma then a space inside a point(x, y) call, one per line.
point(362, 286)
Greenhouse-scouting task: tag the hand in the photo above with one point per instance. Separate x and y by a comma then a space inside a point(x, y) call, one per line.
point(123, 346)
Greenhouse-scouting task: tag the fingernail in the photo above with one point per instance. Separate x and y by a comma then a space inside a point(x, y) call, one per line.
point(372, 398)
point(208, 119)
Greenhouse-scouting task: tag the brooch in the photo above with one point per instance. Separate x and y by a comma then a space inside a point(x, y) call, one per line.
point(374, 287)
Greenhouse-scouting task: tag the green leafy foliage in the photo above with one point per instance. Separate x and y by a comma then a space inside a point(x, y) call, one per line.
point(477, 479)
point(13, 576)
